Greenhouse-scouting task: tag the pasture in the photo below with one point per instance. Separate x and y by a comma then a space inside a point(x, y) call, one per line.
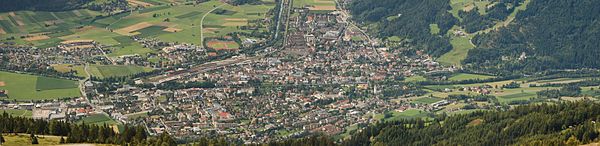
point(460, 48)
point(17, 113)
point(65, 68)
point(30, 87)
point(316, 5)
point(407, 114)
point(465, 76)
point(105, 71)
point(426, 100)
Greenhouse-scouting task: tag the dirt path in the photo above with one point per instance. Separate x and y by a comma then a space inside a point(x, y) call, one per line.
point(202, 23)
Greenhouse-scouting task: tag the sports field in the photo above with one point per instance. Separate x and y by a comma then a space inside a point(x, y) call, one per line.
point(30, 87)
point(104, 71)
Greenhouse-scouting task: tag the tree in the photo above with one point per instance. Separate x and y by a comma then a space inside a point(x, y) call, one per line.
point(2, 139)
point(573, 141)
point(34, 139)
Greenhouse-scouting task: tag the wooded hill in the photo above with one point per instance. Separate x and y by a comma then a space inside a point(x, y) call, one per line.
point(408, 19)
point(545, 124)
point(549, 34)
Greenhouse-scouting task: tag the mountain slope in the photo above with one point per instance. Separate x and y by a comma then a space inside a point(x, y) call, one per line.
point(549, 34)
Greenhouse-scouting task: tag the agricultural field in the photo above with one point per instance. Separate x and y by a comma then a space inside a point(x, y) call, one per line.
point(65, 68)
point(104, 71)
point(17, 113)
point(171, 23)
point(505, 96)
point(223, 45)
point(30, 87)
point(464, 76)
point(426, 100)
point(316, 5)
point(42, 29)
point(415, 78)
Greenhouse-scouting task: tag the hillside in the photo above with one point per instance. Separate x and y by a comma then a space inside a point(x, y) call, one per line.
point(549, 34)
point(407, 19)
point(546, 124)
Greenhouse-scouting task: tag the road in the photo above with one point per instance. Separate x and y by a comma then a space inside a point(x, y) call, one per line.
point(202, 23)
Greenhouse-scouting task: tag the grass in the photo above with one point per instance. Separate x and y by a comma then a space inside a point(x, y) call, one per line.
point(303, 3)
point(98, 119)
point(407, 114)
point(131, 49)
point(64, 68)
point(23, 139)
point(151, 31)
point(24, 87)
point(415, 78)
point(104, 71)
point(465, 76)
point(460, 48)
point(46, 83)
point(18, 113)
point(426, 100)
point(434, 29)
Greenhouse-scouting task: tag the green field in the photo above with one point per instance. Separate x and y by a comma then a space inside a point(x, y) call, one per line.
point(426, 100)
point(46, 83)
point(30, 87)
point(408, 114)
point(464, 76)
point(304, 3)
point(53, 24)
point(18, 113)
point(460, 48)
point(434, 29)
point(415, 78)
point(98, 119)
point(104, 71)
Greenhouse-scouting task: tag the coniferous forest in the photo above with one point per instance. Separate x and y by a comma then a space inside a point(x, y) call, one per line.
point(549, 34)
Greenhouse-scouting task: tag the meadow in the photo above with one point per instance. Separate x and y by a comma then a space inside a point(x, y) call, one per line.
point(98, 119)
point(316, 5)
point(465, 76)
point(18, 113)
point(30, 87)
point(104, 71)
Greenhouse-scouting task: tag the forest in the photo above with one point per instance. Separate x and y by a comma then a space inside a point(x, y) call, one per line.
point(408, 19)
point(81, 133)
point(545, 124)
point(549, 34)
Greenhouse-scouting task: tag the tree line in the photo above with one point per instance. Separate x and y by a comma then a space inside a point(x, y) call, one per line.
point(81, 133)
